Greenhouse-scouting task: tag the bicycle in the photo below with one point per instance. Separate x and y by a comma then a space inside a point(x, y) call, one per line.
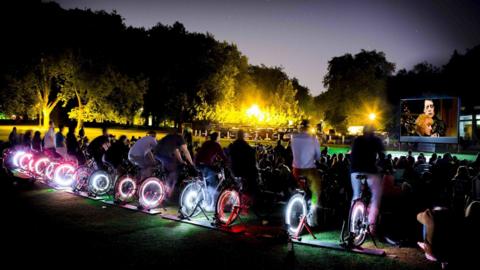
point(298, 209)
point(233, 200)
point(196, 198)
point(357, 227)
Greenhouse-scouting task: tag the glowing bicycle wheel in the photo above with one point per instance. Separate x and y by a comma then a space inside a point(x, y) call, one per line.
point(24, 161)
point(100, 183)
point(151, 193)
point(49, 171)
point(295, 211)
point(63, 175)
point(41, 165)
point(125, 188)
point(228, 207)
point(358, 223)
point(82, 174)
point(192, 195)
point(16, 155)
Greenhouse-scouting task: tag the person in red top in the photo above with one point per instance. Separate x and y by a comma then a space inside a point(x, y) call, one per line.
point(205, 161)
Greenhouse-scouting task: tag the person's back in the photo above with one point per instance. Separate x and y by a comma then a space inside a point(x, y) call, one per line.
point(305, 150)
point(142, 146)
point(242, 157)
point(207, 153)
point(167, 146)
point(364, 154)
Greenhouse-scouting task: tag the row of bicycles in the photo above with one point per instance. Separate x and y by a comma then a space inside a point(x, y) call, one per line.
point(225, 203)
point(122, 183)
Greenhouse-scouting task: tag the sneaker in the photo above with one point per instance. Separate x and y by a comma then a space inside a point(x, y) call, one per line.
point(430, 257)
point(421, 245)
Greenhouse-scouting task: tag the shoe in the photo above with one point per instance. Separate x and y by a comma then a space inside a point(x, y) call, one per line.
point(430, 257)
point(421, 245)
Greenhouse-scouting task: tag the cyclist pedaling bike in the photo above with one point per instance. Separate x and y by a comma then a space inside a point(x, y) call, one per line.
point(365, 174)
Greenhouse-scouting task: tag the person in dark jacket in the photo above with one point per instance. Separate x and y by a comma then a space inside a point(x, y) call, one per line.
point(243, 162)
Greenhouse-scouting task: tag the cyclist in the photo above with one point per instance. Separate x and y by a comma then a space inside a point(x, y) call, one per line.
point(141, 154)
point(364, 153)
point(306, 150)
point(205, 159)
point(170, 150)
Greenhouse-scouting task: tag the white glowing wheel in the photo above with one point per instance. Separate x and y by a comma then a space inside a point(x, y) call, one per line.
point(228, 206)
point(192, 195)
point(41, 165)
point(125, 188)
point(100, 183)
point(24, 160)
point(16, 158)
point(63, 175)
point(296, 209)
point(49, 171)
point(151, 193)
point(358, 223)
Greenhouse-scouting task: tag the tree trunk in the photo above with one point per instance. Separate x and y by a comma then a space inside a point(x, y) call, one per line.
point(46, 117)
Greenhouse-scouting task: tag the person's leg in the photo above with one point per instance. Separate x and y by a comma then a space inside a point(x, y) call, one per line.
point(375, 184)
point(315, 183)
point(356, 186)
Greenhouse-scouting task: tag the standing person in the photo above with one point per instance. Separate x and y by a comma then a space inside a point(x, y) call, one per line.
point(73, 147)
point(27, 139)
point(206, 155)
point(37, 141)
point(60, 142)
point(13, 137)
point(49, 140)
point(169, 151)
point(365, 149)
point(141, 154)
point(306, 150)
point(243, 163)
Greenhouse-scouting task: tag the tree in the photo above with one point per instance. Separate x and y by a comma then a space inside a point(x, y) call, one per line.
point(356, 85)
point(42, 85)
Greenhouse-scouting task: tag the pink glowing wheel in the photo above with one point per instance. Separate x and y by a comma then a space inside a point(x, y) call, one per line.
point(125, 188)
point(151, 193)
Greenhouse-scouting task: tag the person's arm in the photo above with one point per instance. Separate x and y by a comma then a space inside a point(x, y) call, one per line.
point(184, 149)
point(178, 156)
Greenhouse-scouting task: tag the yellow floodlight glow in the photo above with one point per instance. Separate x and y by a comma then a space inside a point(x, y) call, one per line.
point(372, 116)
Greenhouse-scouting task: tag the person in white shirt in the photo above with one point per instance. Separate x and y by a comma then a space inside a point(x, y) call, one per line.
point(141, 154)
point(306, 150)
point(49, 140)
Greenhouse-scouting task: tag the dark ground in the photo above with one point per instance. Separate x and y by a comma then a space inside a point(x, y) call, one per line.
point(44, 228)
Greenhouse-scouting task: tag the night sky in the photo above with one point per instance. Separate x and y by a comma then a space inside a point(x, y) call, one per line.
point(303, 35)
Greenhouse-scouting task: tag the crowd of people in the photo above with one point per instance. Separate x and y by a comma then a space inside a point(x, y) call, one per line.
point(440, 193)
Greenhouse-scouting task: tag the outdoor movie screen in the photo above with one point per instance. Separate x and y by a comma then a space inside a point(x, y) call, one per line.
point(429, 120)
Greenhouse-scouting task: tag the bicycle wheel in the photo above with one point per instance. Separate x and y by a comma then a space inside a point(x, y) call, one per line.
point(100, 183)
point(192, 195)
point(41, 166)
point(151, 193)
point(63, 175)
point(227, 206)
point(50, 170)
point(296, 209)
point(125, 188)
point(24, 161)
point(358, 223)
point(82, 174)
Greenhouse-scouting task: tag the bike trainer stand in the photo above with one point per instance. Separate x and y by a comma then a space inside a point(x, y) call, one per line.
point(323, 244)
